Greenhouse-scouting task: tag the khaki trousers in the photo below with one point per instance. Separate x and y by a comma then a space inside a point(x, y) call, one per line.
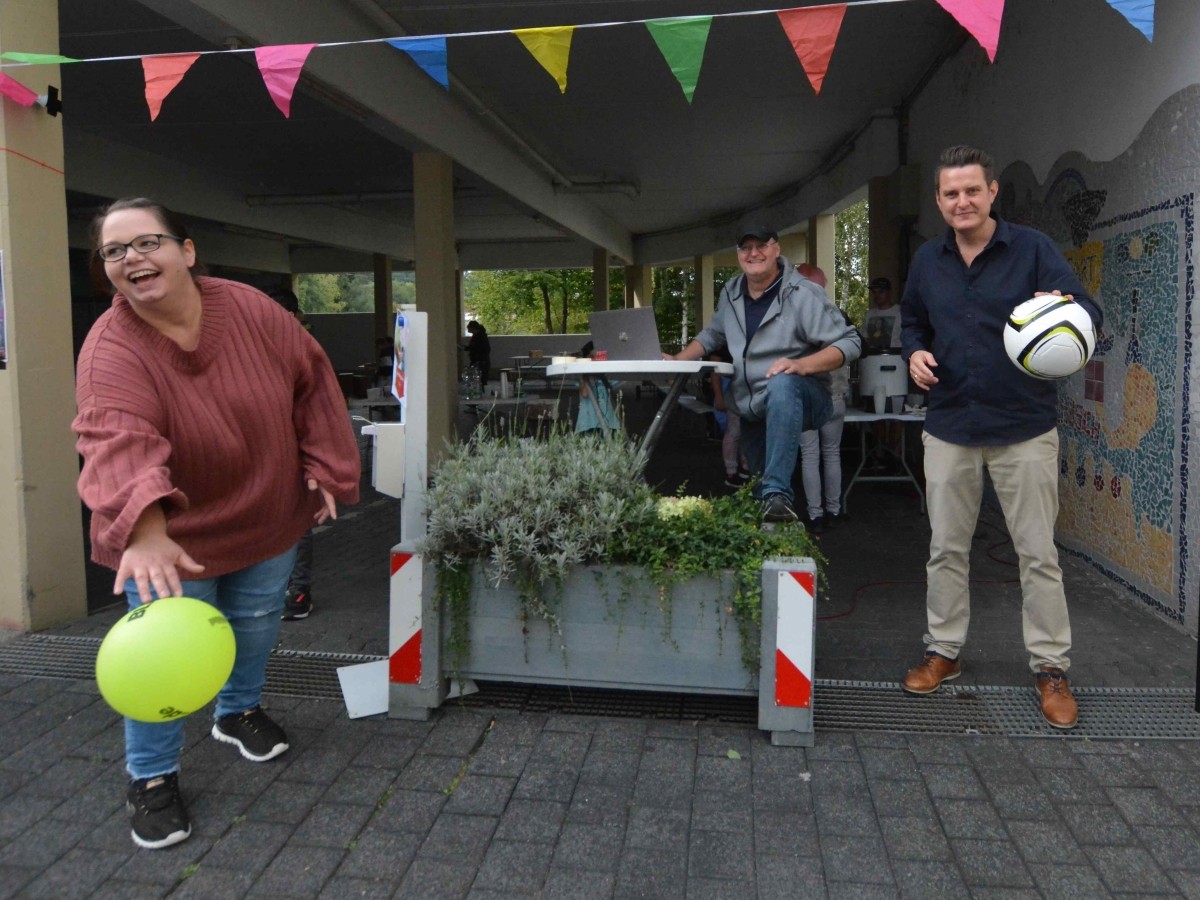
point(1025, 476)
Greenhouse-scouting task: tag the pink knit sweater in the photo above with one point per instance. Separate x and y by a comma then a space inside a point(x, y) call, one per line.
point(224, 436)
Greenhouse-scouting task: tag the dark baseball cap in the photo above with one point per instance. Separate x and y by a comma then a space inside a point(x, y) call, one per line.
point(758, 232)
point(880, 283)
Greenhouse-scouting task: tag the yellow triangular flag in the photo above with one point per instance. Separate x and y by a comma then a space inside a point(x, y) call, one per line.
point(551, 47)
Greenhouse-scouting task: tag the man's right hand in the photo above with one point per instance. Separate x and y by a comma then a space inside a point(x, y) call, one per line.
point(920, 368)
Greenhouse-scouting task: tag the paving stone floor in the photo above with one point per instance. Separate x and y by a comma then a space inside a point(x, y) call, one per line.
point(492, 803)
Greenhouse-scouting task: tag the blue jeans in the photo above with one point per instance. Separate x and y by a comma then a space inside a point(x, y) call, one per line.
point(794, 404)
point(252, 600)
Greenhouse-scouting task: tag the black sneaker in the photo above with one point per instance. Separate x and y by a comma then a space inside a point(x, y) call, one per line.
point(778, 508)
point(159, 818)
point(737, 480)
point(256, 736)
point(298, 604)
point(816, 525)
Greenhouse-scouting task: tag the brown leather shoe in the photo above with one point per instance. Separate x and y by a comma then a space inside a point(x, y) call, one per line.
point(1058, 704)
point(927, 675)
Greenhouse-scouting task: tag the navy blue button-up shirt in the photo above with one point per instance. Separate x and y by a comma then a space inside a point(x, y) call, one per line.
point(958, 315)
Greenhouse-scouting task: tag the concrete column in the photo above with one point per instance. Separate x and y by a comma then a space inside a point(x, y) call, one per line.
point(884, 234)
point(703, 306)
point(639, 286)
point(822, 238)
point(41, 551)
point(794, 246)
point(600, 282)
point(383, 298)
point(436, 284)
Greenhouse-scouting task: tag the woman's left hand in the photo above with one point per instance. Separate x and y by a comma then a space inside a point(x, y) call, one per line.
point(328, 509)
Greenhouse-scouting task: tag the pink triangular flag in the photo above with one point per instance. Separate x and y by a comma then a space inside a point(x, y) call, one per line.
point(813, 33)
point(280, 67)
point(981, 18)
point(163, 73)
point(14, 90)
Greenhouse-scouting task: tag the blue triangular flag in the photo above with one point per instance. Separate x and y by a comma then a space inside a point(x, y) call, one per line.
point(1140, 14)
point(429, 53)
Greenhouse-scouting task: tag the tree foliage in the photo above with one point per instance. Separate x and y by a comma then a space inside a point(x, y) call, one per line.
point(850, 259)
point(338, 292)
point(535, 301)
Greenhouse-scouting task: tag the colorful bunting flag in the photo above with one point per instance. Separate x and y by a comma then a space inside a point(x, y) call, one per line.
point(36, 58)
point(981, 18)
point(813, 32)
point(14, 90)
point(551, 47)
point(429, 53)
point(162, 74)
point(1139, 14)
point(280, 69)
point(681, 42)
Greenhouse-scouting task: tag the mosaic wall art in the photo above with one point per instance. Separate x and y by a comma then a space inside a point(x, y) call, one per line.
point(1123, 423)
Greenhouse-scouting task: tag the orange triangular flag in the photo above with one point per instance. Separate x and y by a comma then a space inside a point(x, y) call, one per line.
point(813, 33)
point(551, 47)
point(280, 68)
point(163, 73)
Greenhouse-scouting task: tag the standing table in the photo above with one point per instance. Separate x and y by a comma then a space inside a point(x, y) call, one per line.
point(860, 418)
point(589, 370)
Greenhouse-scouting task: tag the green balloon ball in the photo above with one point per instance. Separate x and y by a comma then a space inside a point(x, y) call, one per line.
point(165, 659)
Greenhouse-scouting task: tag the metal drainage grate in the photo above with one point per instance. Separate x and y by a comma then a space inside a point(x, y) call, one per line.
point(290, 673)
point(1142, 713)
point(1104, 713)
point(584, 701)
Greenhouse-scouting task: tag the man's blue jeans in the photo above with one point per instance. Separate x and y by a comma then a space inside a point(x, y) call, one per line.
point(794, 404)
point(252, 600)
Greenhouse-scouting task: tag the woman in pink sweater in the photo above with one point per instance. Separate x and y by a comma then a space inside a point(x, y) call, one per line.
point(213, 435)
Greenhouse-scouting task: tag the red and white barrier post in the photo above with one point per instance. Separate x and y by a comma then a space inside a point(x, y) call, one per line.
point(785, 677)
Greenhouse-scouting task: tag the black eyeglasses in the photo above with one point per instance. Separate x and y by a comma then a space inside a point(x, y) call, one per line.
point(143, 243)
point(751, 247)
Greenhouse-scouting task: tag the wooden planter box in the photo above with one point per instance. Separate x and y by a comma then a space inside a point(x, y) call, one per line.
point(614, 634)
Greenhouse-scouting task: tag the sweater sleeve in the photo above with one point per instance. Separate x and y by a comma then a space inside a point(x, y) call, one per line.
point(124, 471)
point(328, 449)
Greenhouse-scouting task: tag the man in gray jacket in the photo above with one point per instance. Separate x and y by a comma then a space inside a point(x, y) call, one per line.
point(785, 337)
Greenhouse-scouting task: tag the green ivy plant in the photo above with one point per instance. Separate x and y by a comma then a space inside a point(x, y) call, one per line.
point(531, 510)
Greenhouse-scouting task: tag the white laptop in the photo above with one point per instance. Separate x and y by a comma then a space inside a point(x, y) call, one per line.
point(626, 333)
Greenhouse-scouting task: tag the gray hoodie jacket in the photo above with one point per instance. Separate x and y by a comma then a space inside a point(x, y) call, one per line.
point(800, 321)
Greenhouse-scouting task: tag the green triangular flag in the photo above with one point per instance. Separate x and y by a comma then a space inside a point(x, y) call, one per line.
point(681, 42)
point(36, 58)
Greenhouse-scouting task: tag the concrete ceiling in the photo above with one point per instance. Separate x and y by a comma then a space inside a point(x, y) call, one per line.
point(620, 161)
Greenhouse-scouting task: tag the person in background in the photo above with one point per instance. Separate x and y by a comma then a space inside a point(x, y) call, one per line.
point(737, 470)
point(479, 350)
point(600, 416)
point(821, 449)
point(213, 435)
point(881, 333)
point(881, 325)
point(298, 604)
point(985, 413)
point(785, 337)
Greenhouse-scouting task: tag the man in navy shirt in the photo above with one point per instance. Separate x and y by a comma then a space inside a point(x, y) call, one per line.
point(985, 412)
